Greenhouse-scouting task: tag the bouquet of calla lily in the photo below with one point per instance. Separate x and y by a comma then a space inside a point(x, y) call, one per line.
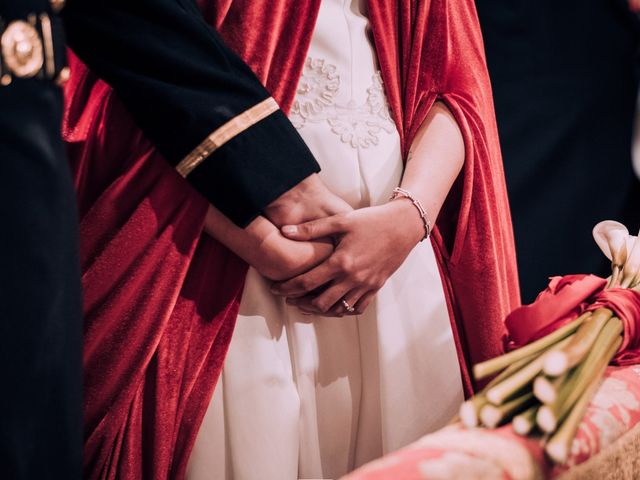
point(560, 347)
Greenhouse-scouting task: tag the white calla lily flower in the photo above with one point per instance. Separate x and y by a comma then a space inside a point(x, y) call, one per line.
point(631, 272)
point(611, 237)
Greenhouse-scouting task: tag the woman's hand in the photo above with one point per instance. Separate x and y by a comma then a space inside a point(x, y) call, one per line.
point(372, 243)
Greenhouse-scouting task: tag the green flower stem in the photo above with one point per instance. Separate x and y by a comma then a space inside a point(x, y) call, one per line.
point(615, 275)
point(510, 370)
point(549, 416)
point(492, 415)
point(546, 389)
point(524, 422)
point(470, 410)
point(559, 445)
point(518, 381)
point(489, 367)
point(581, 342)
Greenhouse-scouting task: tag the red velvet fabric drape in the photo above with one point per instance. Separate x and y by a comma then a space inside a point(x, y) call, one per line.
point(161, 298)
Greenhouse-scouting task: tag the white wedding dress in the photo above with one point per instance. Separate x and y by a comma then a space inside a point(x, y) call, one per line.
point(314, 397)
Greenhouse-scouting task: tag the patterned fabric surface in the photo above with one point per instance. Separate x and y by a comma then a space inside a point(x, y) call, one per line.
point(479, 454)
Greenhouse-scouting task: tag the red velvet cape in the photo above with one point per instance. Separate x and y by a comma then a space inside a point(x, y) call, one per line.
point(161, 298)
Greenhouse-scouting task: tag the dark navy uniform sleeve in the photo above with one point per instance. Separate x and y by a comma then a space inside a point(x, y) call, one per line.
point(194, 98)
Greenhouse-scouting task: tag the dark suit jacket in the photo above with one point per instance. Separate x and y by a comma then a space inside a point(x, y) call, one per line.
point(180, 82)
point(40, 319)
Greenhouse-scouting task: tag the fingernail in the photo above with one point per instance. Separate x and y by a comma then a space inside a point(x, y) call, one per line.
point(289, 229)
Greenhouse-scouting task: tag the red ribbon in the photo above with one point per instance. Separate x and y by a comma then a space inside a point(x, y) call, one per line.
point(625, 304)
point(568, 297)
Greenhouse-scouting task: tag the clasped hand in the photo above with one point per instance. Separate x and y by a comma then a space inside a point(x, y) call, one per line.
point(370, 245)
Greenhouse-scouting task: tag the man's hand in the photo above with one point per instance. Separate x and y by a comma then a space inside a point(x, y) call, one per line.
point(372, 243)
point(263, 247)
point(309, 200)
point(279, 258)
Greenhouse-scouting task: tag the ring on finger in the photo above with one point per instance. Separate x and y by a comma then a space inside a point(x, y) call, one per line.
point(347, 307)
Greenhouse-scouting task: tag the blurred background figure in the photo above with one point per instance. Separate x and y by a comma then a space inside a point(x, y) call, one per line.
point(565, 83)
point(40, 298)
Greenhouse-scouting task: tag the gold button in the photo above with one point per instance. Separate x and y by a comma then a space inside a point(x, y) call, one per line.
point(57, 5)
point(22, 49)
point(63, 76)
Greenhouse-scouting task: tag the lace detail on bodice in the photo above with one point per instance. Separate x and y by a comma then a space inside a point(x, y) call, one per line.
point(356, 124)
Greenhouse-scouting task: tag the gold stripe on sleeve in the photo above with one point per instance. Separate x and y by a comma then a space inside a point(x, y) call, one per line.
point(226, 132)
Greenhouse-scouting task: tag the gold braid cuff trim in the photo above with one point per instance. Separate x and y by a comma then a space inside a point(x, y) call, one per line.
point(226, 132)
